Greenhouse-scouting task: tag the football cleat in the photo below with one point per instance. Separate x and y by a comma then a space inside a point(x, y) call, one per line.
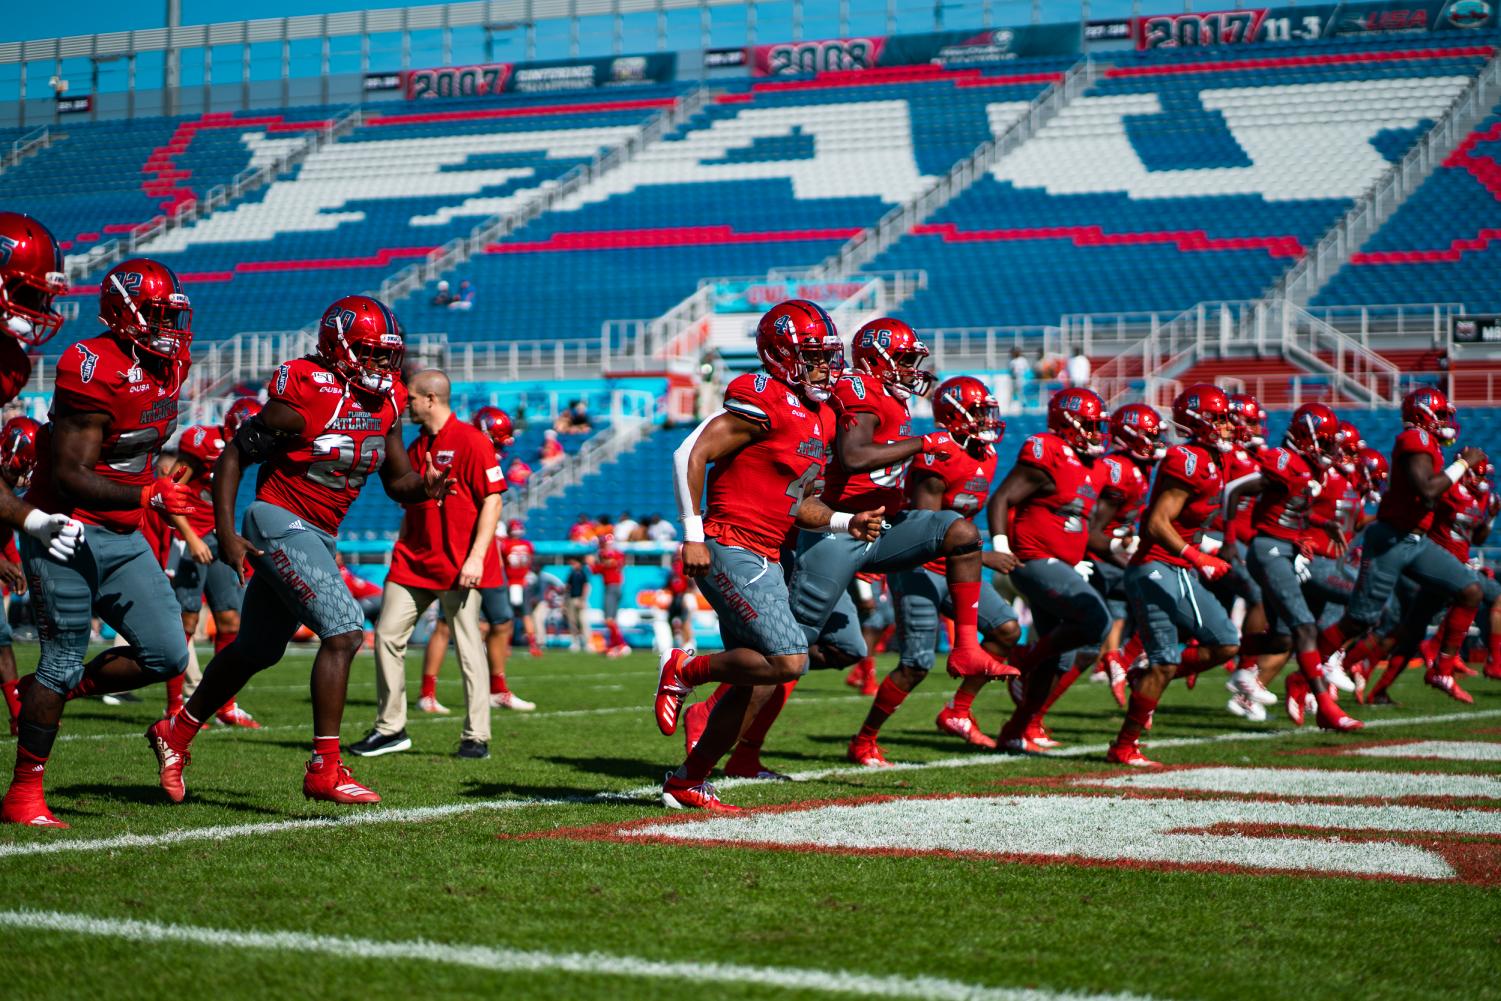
point(1245, 682)
point(968, 662)
point(1115, 673)
point(963, 726)
point(1297, 696)
point(1440, 676)
point(1492, 671)
point(1246, 708)
point(512, 701)
point(871, 683)
point(1335, 673)
point(670, 690)
point(1129, 754)
point(28, 809)
point(1331, 717)
point(746, 764)
point(866, 752)
point(430, 704)
point(1019, 745)
point(169, 760)
point(685, 794)
point(857, 674)
point(536, 651)
point(614, 653)
point(1038, 734)
point(334, 784)
point(233, 715)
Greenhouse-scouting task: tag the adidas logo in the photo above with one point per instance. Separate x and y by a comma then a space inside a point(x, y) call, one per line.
point(1274, 551)
point(297, 526)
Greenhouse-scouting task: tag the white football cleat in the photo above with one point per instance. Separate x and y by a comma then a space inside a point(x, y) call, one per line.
point(1245, 682)
point(510, 700)
point(1247, 709)
point(430, 704)
point(1335, 673)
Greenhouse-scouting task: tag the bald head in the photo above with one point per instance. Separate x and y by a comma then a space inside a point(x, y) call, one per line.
point(428, 394)
point(431, 382)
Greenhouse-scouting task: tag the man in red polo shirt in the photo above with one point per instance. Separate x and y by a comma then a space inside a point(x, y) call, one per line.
point(446, 552)
point(609, 563)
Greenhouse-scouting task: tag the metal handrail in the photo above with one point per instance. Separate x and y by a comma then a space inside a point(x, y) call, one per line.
point(31, 142)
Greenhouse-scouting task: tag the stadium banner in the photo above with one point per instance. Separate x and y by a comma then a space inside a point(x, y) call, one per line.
point(484, 79)
point(1306, 23)
point(1477, 329)
point(950, 49)
point(757, 297)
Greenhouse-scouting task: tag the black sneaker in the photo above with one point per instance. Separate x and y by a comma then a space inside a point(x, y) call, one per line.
point(376, 743)
point(476, 749)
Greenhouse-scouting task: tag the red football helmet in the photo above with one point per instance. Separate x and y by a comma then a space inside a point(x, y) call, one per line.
point(202, 442)
point(1078, 417)
point(1313, 433)
point(1477, 477)
point(1351, 441)
point(965, 409)
point(361, 339)
point(238, 413)
point(496, 424)
point(1137, 430)
point(1371, 470)
point(18, 450)
point(31, 275)
point(892, 352)
point(794, 339)
point(1202, 414)
point(1249, 418)
point(1430, 410)
point(142, 301)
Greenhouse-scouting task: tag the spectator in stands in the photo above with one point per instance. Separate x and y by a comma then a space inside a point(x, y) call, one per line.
point(443, 298)
point(518, 418)
point(576, 606)
point(627, 527)
point(1078, 369)
point(582, 529)
point(574, 420)
point(659, 529)
point(1021, 375)
point(518, 472)
point(464, 300)
point(552, 449)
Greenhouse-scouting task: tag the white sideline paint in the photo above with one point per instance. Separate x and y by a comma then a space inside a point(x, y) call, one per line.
point(504, 960)
point(1304, 782)
point(636, 795)
point(1104, 828)
point(1445, 750)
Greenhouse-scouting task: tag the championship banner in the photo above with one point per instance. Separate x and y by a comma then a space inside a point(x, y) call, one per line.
point(757, 297)
point(485, 79)
point(1293, 24)
point(950, 49)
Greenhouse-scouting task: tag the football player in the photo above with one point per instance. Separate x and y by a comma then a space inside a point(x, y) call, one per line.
point(17, 461)
point(763, 453)
point(959, 481)
point(114, 405)
point(1166, 581)
point(332, 419)
point(1045, 503)
point(1230, 530)
point(1397, 545)
point(1286, 483)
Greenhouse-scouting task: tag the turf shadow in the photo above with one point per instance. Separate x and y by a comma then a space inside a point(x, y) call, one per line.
point(613, 767)
point(84, 794)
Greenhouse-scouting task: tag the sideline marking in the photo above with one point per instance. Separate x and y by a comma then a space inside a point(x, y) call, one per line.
point(503, 960)
point(633, 796)
point(1442, 750)
point(1276, 781)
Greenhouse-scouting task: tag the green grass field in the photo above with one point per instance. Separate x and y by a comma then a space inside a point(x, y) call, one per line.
point(528, 875)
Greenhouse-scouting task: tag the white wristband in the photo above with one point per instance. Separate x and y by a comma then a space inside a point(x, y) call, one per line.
point(839, 521)
point(693, 528)
point(1000, 544)
point(1456, 470)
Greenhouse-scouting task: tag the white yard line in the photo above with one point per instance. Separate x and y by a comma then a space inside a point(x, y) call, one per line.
point(498, 959)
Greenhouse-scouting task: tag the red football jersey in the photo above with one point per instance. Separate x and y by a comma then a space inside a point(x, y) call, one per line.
point(518, 555)
point(1123, 479)
point(610, 565)
point(15, 368)
point(1192, 468)
point(857, 393)
point(1456, 516)
point(1056, 523)
point(1402, 507)
point(435, 538)
point(204, 444)
point(100, 376)
point(1281, 509)
point(343, 442)
point(966, 483)
point(753, 495)
point(1238, 464)
point(1338, 503)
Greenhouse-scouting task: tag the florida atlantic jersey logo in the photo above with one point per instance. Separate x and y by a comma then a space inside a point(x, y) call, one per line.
point(90, 362)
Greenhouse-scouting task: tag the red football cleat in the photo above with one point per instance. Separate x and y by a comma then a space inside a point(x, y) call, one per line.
point(334, 784)
point(865, 751)
point(533, 649)
point(1115, 671)
point(963, 726)
point(170, 760)
point(695, 718)
point(233, 715)
point(29, 809)
point(670, 691)
point(871, 683)
point(966, 662)
point(1129, 754)
point(1331, 717)
point(1493, 670)
point(685, 794)
point(1297, 694)
point(1441, 676)
point(1038, 734)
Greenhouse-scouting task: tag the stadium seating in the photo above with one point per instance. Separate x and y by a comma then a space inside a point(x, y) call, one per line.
point(1437, 247)
point(1179, 177)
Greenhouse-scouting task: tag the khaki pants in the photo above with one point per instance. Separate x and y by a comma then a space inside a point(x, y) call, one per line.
point(576, 610)
point(401, 606)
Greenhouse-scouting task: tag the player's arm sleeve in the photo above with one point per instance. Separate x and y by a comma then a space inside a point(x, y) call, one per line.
point(680, 478)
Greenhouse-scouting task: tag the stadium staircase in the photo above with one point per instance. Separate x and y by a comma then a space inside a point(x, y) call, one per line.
point(23, 143)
